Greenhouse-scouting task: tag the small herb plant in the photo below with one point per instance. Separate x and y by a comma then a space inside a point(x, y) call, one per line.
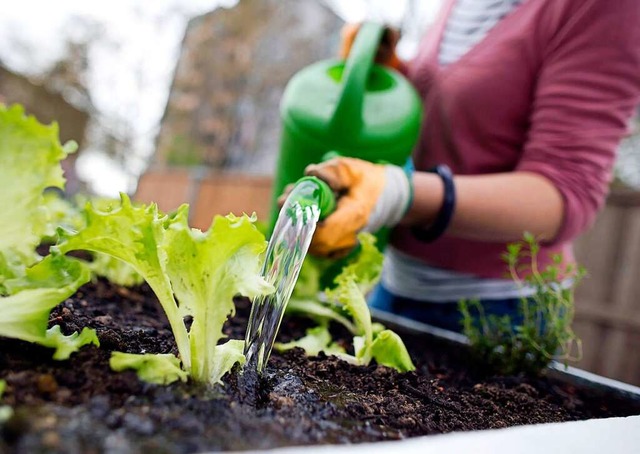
point(543, 330)
point(346, 305)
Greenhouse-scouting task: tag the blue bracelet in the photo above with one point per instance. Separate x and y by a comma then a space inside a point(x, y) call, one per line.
point(445, 214)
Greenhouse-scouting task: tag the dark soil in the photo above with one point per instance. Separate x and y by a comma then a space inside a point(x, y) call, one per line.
point(81, 406)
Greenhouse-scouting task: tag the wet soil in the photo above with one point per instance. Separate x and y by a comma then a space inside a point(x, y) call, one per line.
point(81, 406)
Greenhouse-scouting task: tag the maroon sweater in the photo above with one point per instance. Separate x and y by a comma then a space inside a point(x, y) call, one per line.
point(550, 89)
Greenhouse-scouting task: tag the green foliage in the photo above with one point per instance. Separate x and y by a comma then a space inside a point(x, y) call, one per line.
point(30, 155)
point(71, 215)
point(194, 274)
point(160, 369)
point(5, 411)
point(346, 304)
point(507, 346)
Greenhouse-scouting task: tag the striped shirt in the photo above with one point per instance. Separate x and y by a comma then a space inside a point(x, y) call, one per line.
point(468, 23)
point(405, 276)
point(408, 277)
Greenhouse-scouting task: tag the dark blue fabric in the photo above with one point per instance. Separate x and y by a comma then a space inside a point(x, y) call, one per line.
point(441, 314)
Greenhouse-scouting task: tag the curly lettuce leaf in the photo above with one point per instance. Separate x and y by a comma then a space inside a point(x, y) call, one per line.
point(206, 271)
point(24, 314)
point(66, 345)
point(194, 274)
point(349, 295)
point(345, 304)
point(366, 267)
point(159, 369)
point(114, 270)
point(317, 339)
point(132, 234)
point(30, 155)
point(388, 350)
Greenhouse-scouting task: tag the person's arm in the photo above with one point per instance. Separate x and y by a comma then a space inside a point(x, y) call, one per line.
point(497, 207)
point(587, 88)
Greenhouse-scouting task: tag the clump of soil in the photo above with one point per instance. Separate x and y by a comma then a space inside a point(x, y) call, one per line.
point(81, 406)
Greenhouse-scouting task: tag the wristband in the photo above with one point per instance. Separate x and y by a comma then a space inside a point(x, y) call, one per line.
point(443, 219)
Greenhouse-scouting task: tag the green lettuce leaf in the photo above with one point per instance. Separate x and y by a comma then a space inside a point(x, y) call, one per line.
point(30, 155)
point(24, 314)
point(389, 350)
point(114, 270)
point(206, 271)
point(66, 345)
point(194, 274)
point(366, 267)
point(160, 369)
point(317, 339)
point(346, 304)
point(349, 295)
point(371, 341)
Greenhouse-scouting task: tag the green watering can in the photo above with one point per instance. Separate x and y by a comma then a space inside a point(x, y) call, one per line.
point(349, 108)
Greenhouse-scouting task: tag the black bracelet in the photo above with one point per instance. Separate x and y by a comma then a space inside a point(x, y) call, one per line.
point(445, 214)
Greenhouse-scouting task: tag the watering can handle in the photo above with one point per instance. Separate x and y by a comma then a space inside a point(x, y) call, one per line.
point(348, 111)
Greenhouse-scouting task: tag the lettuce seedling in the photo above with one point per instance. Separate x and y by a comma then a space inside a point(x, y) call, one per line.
point(194, 274)
point(346, 304)
point(30, 155)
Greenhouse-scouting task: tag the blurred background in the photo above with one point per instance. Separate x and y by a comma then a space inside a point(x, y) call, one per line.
point(177, 101)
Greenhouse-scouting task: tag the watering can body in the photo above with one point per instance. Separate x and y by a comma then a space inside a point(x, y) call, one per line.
point(351, 108)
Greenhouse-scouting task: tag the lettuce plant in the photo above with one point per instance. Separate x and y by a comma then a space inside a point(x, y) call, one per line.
point(30, 155)
point(72, 216)
point(194, 274)
point(346, 304)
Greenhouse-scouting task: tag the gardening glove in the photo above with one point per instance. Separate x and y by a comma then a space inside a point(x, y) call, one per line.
point(386, 51)
point(370, 196)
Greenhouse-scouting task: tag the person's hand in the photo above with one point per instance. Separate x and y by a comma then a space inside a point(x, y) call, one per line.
point(370, 196)
point(386, 54)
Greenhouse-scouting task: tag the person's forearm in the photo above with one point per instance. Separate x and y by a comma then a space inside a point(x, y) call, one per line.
point(496, 207)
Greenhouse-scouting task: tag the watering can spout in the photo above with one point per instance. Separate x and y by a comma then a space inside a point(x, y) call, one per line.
point(309, 201)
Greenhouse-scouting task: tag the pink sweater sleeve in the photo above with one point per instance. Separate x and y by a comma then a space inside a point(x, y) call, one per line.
point(587, 90)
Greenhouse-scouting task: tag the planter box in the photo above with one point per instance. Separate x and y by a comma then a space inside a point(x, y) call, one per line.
point(612, 435)
point(607, 309)
point(81, 405)
point(595, 384)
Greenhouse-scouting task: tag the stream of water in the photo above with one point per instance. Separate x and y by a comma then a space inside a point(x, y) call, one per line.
point(287, 249)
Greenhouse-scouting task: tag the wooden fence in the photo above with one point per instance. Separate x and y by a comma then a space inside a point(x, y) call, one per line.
point(607, 301)
point(207, 193)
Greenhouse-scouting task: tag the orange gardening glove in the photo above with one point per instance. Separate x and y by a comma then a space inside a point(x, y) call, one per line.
point(386, 51)
point(370, 196)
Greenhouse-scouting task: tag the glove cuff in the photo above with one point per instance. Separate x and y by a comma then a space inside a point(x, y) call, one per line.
point(393, 201)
